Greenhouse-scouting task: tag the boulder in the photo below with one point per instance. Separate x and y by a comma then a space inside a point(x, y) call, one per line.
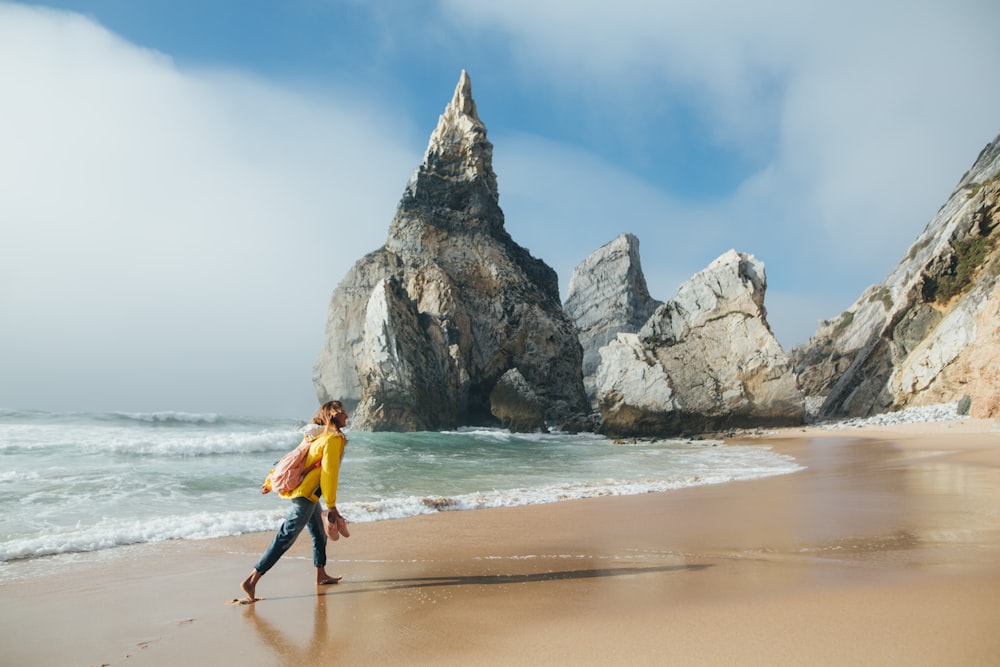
point(706, 360)
point(516, 404)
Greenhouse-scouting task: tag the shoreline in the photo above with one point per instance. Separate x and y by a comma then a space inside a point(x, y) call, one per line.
point(112, 522)
point(884, 550)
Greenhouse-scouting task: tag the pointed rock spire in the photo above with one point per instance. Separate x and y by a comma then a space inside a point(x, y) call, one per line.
point(421, 331)
point(608, 296)
point(462, 102)
point(460, 122)
point(458, 150)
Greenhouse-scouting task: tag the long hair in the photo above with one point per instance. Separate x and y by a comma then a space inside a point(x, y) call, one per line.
point(327, 414)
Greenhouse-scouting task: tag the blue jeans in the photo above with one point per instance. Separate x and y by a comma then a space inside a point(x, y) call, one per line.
point(304, 513)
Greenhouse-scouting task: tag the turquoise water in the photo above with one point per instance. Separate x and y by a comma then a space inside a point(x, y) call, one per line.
point(85, 482)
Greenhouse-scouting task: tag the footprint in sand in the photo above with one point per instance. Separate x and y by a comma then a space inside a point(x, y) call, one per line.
point(241, 601)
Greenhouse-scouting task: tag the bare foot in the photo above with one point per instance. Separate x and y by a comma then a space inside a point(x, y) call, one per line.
point(249, 587)
point(324, 579)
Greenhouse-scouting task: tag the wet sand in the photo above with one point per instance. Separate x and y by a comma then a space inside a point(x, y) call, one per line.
point(885, 550)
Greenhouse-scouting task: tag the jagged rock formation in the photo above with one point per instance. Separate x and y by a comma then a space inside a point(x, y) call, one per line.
point(704, 361)
point(420, 331)
point(607, 296)
point(928, 333)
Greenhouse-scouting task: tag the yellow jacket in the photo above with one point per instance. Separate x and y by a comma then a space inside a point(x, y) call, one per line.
point(328, 447)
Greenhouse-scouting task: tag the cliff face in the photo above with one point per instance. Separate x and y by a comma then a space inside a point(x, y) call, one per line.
point(928, 333)
point(451, 322)
point(705, 360)
point(607, 296)
point(420, 331)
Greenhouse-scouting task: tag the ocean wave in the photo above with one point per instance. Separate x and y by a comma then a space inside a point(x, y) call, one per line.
point(402, 508)
point(194, 463)
point(203, 444)
point(18, 476)
point(500, 434)
point(170, 417)
point(504, 435)
point(157, 418)
point(110, 533)
point(176, 419)
point(180, 445)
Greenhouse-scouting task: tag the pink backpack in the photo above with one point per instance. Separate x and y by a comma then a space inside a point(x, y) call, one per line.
point(290, 470)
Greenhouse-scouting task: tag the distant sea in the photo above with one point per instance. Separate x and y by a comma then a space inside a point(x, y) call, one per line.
point(86, 482)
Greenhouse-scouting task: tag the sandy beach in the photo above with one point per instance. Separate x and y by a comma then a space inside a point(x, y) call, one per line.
point(885, 550)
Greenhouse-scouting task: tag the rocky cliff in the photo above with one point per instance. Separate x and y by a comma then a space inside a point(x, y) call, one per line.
point(929, 332)
point(420, 331)
point(703, 361)
point(607, 296)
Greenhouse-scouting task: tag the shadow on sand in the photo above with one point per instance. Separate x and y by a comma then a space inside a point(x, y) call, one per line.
point(378, 585)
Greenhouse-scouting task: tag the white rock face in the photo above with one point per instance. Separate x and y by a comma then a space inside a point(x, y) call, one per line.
point(630, 378)
point(960, 358)
point(924, 335)
point(607, 295)
point(705, 360)
point(945, 343)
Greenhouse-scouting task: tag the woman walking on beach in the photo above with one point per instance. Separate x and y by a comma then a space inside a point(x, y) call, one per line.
point(326, 449)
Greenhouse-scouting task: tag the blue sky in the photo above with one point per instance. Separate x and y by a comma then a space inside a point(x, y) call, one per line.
point(186, 182)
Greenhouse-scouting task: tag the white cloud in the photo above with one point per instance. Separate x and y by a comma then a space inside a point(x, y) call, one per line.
point(867, 114)
point(171, 237)
point(562, 203)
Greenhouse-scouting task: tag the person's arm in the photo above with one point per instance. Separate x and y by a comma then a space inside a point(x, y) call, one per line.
point(330, 468)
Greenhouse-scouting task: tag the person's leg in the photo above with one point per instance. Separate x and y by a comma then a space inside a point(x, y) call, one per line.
point(315, 525)
point(318, 533)
point(298, 517)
